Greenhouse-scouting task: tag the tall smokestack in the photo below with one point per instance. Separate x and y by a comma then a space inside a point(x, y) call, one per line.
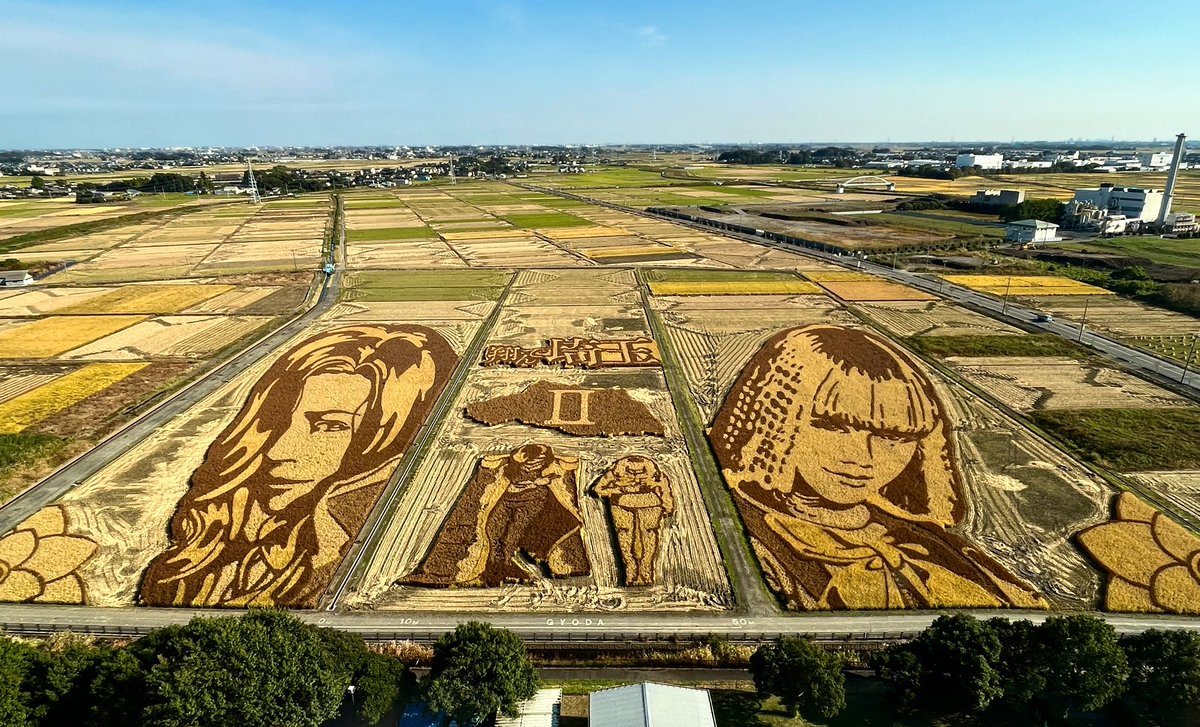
point(1171, 177)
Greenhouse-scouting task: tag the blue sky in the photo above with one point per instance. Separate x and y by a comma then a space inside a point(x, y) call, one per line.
point(513, 71)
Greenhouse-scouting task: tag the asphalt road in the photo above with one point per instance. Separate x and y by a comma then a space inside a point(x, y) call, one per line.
point(117, 444)
point(550, 627)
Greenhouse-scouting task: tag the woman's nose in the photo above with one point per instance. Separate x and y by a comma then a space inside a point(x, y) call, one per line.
point(858, 449)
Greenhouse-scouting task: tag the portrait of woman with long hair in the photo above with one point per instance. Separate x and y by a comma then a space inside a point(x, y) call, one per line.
point(839, 453)
point(287, 485)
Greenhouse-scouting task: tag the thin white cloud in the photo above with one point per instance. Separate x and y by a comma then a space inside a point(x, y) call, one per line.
point(651, 36)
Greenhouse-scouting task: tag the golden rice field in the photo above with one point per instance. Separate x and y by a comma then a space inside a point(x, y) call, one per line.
point(34, 406)
point(48, 337)
point(734, 287)
point(148, 299)
point(1025, 285)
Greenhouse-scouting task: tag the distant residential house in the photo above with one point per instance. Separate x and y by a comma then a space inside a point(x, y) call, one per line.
point(12, 278)
point(660, 705)
point(1031, 231)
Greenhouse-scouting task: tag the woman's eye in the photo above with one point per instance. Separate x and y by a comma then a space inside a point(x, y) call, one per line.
point(330, 425)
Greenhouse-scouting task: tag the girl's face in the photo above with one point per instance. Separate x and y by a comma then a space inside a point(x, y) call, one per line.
point(318, 435)
point(846, 462)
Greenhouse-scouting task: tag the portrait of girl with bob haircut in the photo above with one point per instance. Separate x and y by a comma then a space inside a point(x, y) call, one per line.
point(839, 453)
point(287, 485)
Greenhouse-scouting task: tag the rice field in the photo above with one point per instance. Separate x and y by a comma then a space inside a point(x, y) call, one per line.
point(31, 407)
point(1026, 286)
point(49, 337)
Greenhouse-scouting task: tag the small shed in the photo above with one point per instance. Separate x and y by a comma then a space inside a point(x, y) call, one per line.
point(651, 705)
point(1031, 231)
point(541, 711)
point(15, 277)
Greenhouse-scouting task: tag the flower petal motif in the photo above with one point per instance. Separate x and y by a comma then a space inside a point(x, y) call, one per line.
point(47, 521)
point(68, 589)
point(58, 555)
point(1176, 590)
point(1129, 507)
point(16, 547)
point(1174, 539)
point(20, 585)
point(1126, 549)
point(1123, 596)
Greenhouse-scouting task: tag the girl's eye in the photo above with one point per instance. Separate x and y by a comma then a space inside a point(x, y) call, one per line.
point(330, 425)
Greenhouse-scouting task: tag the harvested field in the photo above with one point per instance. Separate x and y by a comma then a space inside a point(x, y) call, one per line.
point(933, 318)
point(336, 459)
point(42, 301)
point(93, 417)
point(721, 287)
point(1026, 384)
point(1149, 559)
point(1026, 285)
point(1180, 490)
point(1122, 317)
point(47, 337)
point(191, 336)
point(856, 291)
point(584, 412)
point(528, 326)
point(32, 407)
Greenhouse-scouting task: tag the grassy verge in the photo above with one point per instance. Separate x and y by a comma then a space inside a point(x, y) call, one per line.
point(389, 233)
point(20, 451)
point(1036, 344)
point(1128, 440)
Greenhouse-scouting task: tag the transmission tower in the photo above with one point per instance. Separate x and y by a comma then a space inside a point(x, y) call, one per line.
point(453, 179)
point(254, 196)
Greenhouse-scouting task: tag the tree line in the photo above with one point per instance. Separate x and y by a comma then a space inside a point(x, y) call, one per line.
point(962, 670)
point(264, 669)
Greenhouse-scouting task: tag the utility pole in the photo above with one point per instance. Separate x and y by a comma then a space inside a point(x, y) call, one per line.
point(1188, 361)
point(1083, 322)
point(1007, 288)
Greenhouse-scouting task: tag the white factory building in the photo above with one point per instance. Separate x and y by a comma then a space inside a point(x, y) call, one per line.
point(983, 161)
point(1133, 202)
point(1031, 231)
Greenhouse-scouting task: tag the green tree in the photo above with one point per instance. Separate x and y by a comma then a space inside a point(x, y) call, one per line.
point(807, 679)
point(266, 669)
point(15, 661)
point(1047, 210)
point(478, 671)
point(383, 686)
point(950, 668)
point(37, 182)
point(1065, 664)
point(1084, 665)
point(62, 674)
point(1164, 676)
point(898, 667)
point(381, 683)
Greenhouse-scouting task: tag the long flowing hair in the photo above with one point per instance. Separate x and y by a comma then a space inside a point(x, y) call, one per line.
point(242, 536)
point(853, 375)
